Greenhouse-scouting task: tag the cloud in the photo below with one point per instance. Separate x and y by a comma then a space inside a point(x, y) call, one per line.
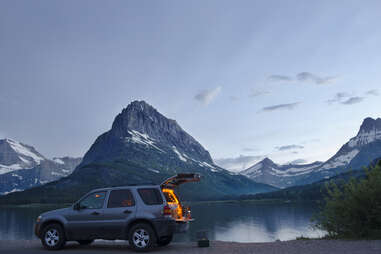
point(373, 92)
point(289, 147)
point(299, 161)
point(279, 78)
point(207, 96)
point(303, 77)
point(238, 163)
point(352, 100)
point(309, 77)
point(288, 106)
point(256, 93)
point(338, 97)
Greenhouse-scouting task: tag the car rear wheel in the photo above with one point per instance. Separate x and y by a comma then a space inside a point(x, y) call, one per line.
point(165, 241)
point(142, 237)
point(85, 242)
point(53, 237)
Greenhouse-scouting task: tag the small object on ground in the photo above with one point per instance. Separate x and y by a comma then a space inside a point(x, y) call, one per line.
point(202, 239)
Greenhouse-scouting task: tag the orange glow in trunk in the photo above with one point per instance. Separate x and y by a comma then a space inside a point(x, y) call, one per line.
point(174, 203)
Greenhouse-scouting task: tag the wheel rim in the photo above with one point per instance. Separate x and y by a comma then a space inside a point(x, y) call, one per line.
point(52, 237)
point(140, 238)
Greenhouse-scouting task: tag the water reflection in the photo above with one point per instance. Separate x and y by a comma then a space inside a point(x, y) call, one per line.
point(252, 222)
point(227, 222)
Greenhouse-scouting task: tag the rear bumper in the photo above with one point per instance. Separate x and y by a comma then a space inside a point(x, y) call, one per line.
point(167, 227)
point(181, 226)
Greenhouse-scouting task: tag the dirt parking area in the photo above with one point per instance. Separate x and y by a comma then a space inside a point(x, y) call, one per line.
point(217, 247)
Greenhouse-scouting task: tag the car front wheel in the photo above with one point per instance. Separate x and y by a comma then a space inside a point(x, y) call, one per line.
point(142, 237)
point(53, 237)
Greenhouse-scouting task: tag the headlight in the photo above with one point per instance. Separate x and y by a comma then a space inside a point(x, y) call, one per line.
point(39, 218)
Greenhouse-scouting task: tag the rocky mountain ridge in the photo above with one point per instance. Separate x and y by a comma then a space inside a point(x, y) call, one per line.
point(23, 167)
point(356, 153)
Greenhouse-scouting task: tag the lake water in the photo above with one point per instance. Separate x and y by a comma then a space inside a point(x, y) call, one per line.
point(242, 222)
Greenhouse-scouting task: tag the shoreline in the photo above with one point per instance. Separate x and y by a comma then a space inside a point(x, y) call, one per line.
point(218, 247)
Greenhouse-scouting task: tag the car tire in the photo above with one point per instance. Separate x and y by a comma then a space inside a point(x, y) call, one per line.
point(85, 242)
point(141, 237)
point(53, 237)
point(164, 242)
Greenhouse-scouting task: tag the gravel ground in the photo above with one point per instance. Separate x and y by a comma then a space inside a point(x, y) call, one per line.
point(217, 247)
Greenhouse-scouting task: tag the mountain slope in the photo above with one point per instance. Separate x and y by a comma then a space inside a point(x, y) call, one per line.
point(266, 171)
point(357, 152)
point(143, 146)
point(22, 167)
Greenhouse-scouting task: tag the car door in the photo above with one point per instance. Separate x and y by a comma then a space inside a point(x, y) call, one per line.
point(86, 219)
point(119, 211)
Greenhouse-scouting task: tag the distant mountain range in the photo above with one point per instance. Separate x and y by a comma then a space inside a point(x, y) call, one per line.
point(143, 146)
point(23, 167)
point(356, 153)
point(315, 191)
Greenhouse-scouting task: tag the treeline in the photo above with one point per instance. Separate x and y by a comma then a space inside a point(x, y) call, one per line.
point(353, 210)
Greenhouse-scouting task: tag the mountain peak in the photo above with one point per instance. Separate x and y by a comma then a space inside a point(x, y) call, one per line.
point(370, 124)
point(267, 160)
point(140, 124)
point(142, 117)
point(140, 105)
point(370, 131)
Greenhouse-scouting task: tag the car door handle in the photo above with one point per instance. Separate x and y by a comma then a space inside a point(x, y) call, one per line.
point(95, 213)
point(127, 212)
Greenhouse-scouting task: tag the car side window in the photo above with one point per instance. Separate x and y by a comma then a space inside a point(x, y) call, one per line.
point(151, 196)
point(93, 201)
point(120, 198)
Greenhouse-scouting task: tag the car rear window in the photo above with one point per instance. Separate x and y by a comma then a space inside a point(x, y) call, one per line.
point(120, 198)
point(150, 196)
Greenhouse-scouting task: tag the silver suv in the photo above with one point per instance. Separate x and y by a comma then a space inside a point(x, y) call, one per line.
point(145, 215)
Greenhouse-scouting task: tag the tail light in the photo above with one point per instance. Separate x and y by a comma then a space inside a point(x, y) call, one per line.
point(167, 210)
point(188, 213)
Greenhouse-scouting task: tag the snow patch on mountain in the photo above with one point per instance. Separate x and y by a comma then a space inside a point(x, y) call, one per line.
point(8, 168)
point(13, 190)
point(181, 157)
point(154, 170)
point(365, 137)
point(23, 150)
point(58, 160)
point(142, 138)
point(341, 160)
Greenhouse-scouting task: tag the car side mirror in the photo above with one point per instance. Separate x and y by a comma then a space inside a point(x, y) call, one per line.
point(77, 206)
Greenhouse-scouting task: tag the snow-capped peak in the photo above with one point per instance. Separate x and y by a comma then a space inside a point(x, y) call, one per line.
point(369, 132)
point(25, 151)
point(15, 155)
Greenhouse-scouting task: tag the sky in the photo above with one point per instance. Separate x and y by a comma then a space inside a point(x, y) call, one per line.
point(290, 80)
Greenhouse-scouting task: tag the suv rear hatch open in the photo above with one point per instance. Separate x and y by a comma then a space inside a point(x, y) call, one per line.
point(175, 208)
